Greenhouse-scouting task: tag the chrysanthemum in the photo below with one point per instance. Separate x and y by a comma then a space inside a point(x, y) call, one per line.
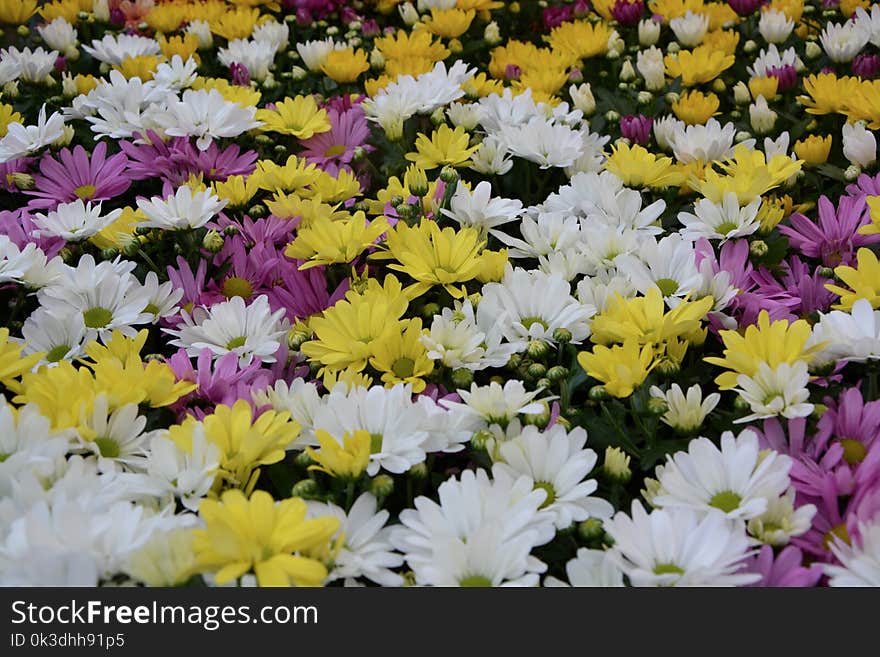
point(860, 562)
point(685, 413)
point(336, 148)
point(74, 221)
point(721, 221)
point(80, 175)
point(184, 210)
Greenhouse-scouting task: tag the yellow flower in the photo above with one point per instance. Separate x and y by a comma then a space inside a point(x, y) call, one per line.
point(864, 105)
point(293, 175)
point(702, 64)
point(620, 368)
point(765, 342)
point(17, 12)
point(449, 23)
point(348, 460)
point(403, 66)
point(863, 281)
point(402, 358)
point(637, 167)
point(444, 146)
point(309, 210)
point(770, 213)
point(261, 536)
point(747, 174)
point(185, 46)
point(85, 83)
point(237, 190)
point(874, 227)
point(348, 378)
point(481, 86)
point(543, 83)
point(234, 93)
point(300, 117)
point(7, 115)
point(766, 86)
point(720, 15)
point(12, 364)
point(344, 66)
point(142, 66)
point(580, 39)
point(236, 23)
point(814, 149)
point(325, 242)
point(433, 256)
point(121, 231)
point(695, 107)
point(167, 17)
point(794, 9)
point(62, 393)
point(643, 319)
point(670, 9)
point(826, 93)
point(342, 187)
point(848, 7)
point(415, 44)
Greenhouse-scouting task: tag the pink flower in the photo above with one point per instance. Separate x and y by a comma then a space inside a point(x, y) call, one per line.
point(785, 570)
point(75, 175)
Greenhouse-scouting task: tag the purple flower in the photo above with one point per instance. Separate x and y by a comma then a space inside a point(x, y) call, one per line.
point(626, 12)
point(786, 570)
point(336, 148)
point(854, 423)
point(240, 74)
point(21, 231)
point(866, 66)
point(835, 238)
point(805, 292)
point(76, 175)
point(556, 16)
point(512, 72)
point(786, 75)
point(865, 185)
point(7, 169)
point(637, 128)
point(744, 7)
point(370, 27)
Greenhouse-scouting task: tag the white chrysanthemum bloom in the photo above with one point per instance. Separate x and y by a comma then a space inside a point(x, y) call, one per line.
point(492, 404)
point(206, 115)
point(119, 108)
point(775, 26)
point(738, 479)
point(464, 115)
point(59, 35)
point(853, 335)
point(202, 31)
point(649, 63)
point(32, 65)
point(60, 337)
point(166, 559)
point(300, 398)
point(273, 32)
point(477, 209)
point(163, 299)
point(51, 567)
point(314, 53)
point(366, 550)
point(761, 117)
point(599, 291)
point(188, 474)
point(532, 305)
point(592, 156)
point(602, 244)
point(176, 74)
point(604, 199)
point(781, 520)
point(545, 143)
point(441, 85)
point(256, 56)
point(690, 29)
point(773, 392)
point(679, 547)
point(399, 428)
point(685, 413)
point(456, 340)
point(114, 437)
point(859, 144)
point(27, 443)
point(649, 32)
point(185, 210)
point(582, 97)
point(720, 221)
point(590, 569)
point(842, 42)
point(425, 6)
point(716, 285)
point(705, 143)
point(870, 22)
point(772, 58)
point(859, 561)
point(21, 140)
point(480, 534)
point(568, 263)
point(558, 463)
point(252, 331)
point(665, 129)
point(14, 262)
point(113, 49)
point(669, 264)
point(492, 158)
point(542, 234)
point(74, 221)
point(505, 109)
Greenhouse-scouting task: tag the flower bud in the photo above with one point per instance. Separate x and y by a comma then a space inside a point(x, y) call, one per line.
point(536, 370)
point(611, 116)
point(299, 73)
point(23, 181)
point(582, 98)
point(213, 241)
point(304, 488)
point(627, 72)
point(598, 393)
point(303, 460)
point(759, 248)
point(481, 439)
point(644, 97)
point(539, 419)
point(462, 378)
point(741, 95)
point(813, 50)
point(408, 13)
point(418, 472)
point(492, 34)
point(852, 172)
point(649, 32)
point(449, 175)
point(590, 529)
point(557, 373)
point(616, 465)
point(381, 486)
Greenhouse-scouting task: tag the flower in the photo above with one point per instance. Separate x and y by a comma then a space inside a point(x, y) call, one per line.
point(402, 358)
point(780, 391)
point(813, 149)
point(859, 144)
point(685, 413)
point(21, 140)
point(184, 210)
point(348, 460)
point(637, 167)
point(695, 107)
point(861, 279)
point(299, 116)
point(621, 368)
point(859, 562)
point(838, 234)
point(702, 64)
point(722, 221)
point(344, 65)
point(206, 115)
point(74, 221)
point(446, 146)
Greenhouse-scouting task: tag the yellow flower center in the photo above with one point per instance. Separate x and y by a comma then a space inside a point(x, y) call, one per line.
point(726, 500)
point(335, 151)
point(85, 191)
point(854, 452)
point(237, 287)
point(403, 367)
point(475, 581)
point(236, 342)
point(97, 317)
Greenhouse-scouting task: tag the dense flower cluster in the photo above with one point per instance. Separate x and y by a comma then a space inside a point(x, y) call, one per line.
point(439, 293)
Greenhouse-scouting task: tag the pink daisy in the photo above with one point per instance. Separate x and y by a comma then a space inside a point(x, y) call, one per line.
point(77, 176)
point(336, 148)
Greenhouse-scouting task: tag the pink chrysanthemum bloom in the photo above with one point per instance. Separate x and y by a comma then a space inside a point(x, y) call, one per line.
point(193, 286)
point(271, 229)
point(249, 270)
point(302, 293)
point(800, 291)
point(336, 148)
point(9, 169)
point(76, 175)
point(21, 230)
point(786, 570)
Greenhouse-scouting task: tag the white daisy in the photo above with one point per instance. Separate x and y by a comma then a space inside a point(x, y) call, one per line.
point(116, 436)
point(669, 264)
point(314, 53)
point(590, 568)
point(163, 299)
point(679, 547)
point(690, 29)
point(477, 208)
point(176, 74)
point(542, 233)
point(685, 412)
point(120, 107)
point(278, 34)
point(113, 49)
point(772, 58)
point(27, 443)
point(493, 404)
point(492, 158)
point(545, 143)
point(601, 245)
point(599, 291)
point(59, 35)
point(184, 210)
point(206, 115)
point(705, 143)
point(252, 331)
point(256, 56)
point(860, 561)
point(74, 221)
point(853, 335)
point(775, 26)
point(187, 474)
point(59, 336)
point(592, 155)
point(300, 398)
point(21, 140)
point(870, 22)
point(739, 479)
point(781, 520)
point(497, 111)
point(720, 221)
point(843, 41)
point(33, 65)
point(772, 392)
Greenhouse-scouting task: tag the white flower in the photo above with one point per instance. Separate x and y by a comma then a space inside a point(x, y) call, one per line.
point(582, 97)
point(649, 32)
point(59, 35)
point(870, 22)
point(772, 392)
point(27, 443)
point(860, 561)
point(176, 74)
point(859, 144)
point(679, 547)
point(665, 129)
point(706, 143)
point(59, 336)
point(649, 63)
point(772, 58)
point(720, 221)
point(558, 463)
point(256, 56)
point(116, 436)
point(690, 29)
point(207, 115)
point(465, 115)
point(762, 118)
point(781, 520)
point(590, 568)
point(669, 264)
point(31, 65)
point(543, 234)
point(300, 399)
point(163, 298)
point(493, 404)
point(842, 42)
point(188, 474)
point(853, 335)
point(545, 143)
point(273, 32)
point(252, 331)
point(119, 108)
point(367, 550)
point(505, 109)
point(686, 413)
point(477, 208)
point(738, 479)
point(458, 341)
point(23, 140)
point(166, 559)
point(74, 221)
point(775, 26)
point(202, 30)
point(185, 210)
point(492, 158)
point(114, 49)
point(599, 291)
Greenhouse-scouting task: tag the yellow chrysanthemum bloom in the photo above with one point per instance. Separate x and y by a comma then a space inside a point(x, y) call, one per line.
point(702, 64)
point(767, 342)
point(63, 393)
point(307, 209)
point(669, 9)
point(236, 23)
point(345, 66)
point(345, 333)
point(644, 319)
point(445, 146)
point(813, 149)
point(848, 7)
point(66, 9)
point(448, 23)
point(863, 281)
point(479, 5)
point(234, 93)
point(580, 39)
point(638, 167)
point(348, 378)
point(7, 115)
point(121, 232)
point(621, 368)
point(185, 46)
point(481, 86)
point(300, 117)
point(771, 212)
point(17, 12)
point(418, 43)
point(543, 83)
point(402, 358)
point(724, 41)
point(695, 108)
point(747, 174)
point(404, 66)
point(237, 190)
point(826, 93)
point(348, 460)
point(334, 189)
point(12, 364)
point(293, 175)
point(167, 17)
point(764, 86)
point(794, 9)
point(327, 242)
point(261, 536)
point(864, 105)
point(874, 226)
point(142, 66)
point(85, 83)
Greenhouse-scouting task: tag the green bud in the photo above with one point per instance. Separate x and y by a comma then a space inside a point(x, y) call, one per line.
point(759, 248)
point(418, 472)
point(229, 231)
point(449, 175)
point(514, 362)
point(462, 378)
point(537, 349)
point(257, 211)
point(438, 116)
point(213, 241)
point(303, 460)
point(741, 404)
point(826, 272)
point(23, 30)
point(480, 439)
point(611, 116)
point(543, 384)
point(557, 373)
point(590, 529)
point(381, 486)
point(598, 393)
point(131, 248)
point(430, 309)
point(305, 488)
point(537, 370)
point(562, 335)
point(109, 253)
point(657, 406)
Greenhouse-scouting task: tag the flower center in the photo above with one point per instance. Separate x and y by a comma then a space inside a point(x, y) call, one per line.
point(85, 191)
point(528, 321)
point(548, 488)
point(57, 353)
point(152, 308)
point(375, 443)
point(335, 150)
point(234, 343)
point(237, 287)
point(475, 581)
point(836, 532)
point(854, 452)
point(97, 317)
point(667, 286)
point(403, 367)
point(727, 227)
point(726, 500)
point(668, 569)
point(108, 447)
